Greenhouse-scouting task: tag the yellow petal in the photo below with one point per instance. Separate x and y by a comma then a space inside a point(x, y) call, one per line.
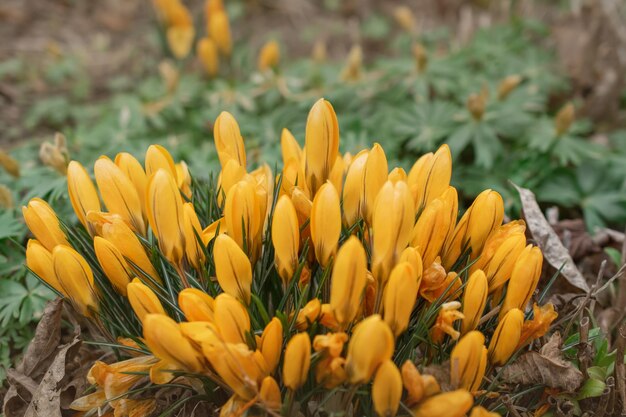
point(297, 361)
point(430, 176)
point(232, 267)
point(371, 344)
point(285, 238)
point(143, 300)
point(165, 340)
point(39, 260)
point(474, 300)
point(82, 193)
point(448, 404)
point(228, 140)
point(113, 264)
point(387, 389)
point(219, 31)
point(231, 319)
point(131, 167)
point(400, 297)
point(269, 56)
point(468, 361)
point(196, 305)
point(157, 157)
point(524, 279)
point(325, 223)
point(76, 278)
point(207, 52)
point(321, 143)
point(271, 344)
point(506, 337)
point(44, 224)
point(348, 281)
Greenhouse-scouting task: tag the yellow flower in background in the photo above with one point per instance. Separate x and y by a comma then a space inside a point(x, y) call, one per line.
point(468, 361)
point(269, 56)
point(325, 223)
point(143, 300)
point(39, 260)
point(76, 278)
point(371, 344)
point(321, 144)
point(44, 224)
point(474, 300)
point(387, 389)
point(352, 71)
point(113, 264)
point(506, 337)
point(297, 361)
point(180, 40)
point(207, 53)
point(348, 281)
point(219, 31)
point(82, 193)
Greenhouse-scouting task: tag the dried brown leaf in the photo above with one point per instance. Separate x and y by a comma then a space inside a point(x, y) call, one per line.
point(553, 250)
point(545, 367)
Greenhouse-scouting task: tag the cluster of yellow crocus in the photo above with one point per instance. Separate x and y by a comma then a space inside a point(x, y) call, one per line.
point(351, 257)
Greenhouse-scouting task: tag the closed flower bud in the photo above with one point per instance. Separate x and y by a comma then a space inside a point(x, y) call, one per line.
point(270, 393)
point(348, 281)
point(228, 140)
point(113, 264)
point(412, 256)
point(82, 193)
point(209, 57)
point(400, 297)
point(213, 230)
point(524, 279)
point(194, 250)
point(375, 176)
point(43, 223)
point(119, 194)
point(474, 300)
point(430, 176)
point(413, 383)
point(321, 144)
point(166, 341)
point(325, 223)
point(507, 85)
point(290, 148)
point(506, 337)
point(354, 199)
point(9, 164)
point(393, 220)
point(448, 404)
point(131, 167)
point(243, 215)
point(119, 234)
point(232, 268)
point(564, 119)
point(371, 344)
point(297, 361)
point(143, 300)
point(157, 157)
point(39, 260)
point(285, 238)
point(219, 31)
point(231, 319)
point(476, 104)
point(405, 18)
point(271, 344)
point(539, 325)
point(468, 361)
point(183, 179)
point(479, 411)
point(196, 305)
point(354, 64)
point(433, 226)
point(397, 174)
point(269, 56)
point(165, 215)
point(180, 39)
point(387, 389)
point(76, 278)
point(308, 314)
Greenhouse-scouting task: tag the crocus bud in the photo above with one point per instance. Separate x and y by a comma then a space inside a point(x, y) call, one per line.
point(232, 268)
point(271, 344)
point(539, 325)
point(430, 176)
point(183, 178)
point(196, 305)
point(194, 250)
point(474, 300)
point(290, 148)
point(354, 199)
point(412, 256)
point(286, 238)
point(180, 39)
point(165, 215)
point(448, 404)
point(433, 226)
point(420, 55)
point(524, 279)
point(119, 194)
point(506, 337)
point(207, 52)
point(507, 85)
point(269, 57)
point(76, 278)
point(119, 234)
point(375, 176)
point(43, 223)
point(397, 174)
point(321, 144)
point(308, 314)
point(387, 389)
point(219, 31)
point(243, 215)
point(479, 411)
point(468, 361)
point(564, 119)
point(393, 219)
point(476, 104)
point(113, 264)
point(405, 18)
point(354, 64)
point(131, 167)
point(297, 361)
point(348, 281)
point(269, 394)
point(143, 300)
point(413, 383)
point(82, 193)
point(157, 157)
point(400, 297)
point(9, 164)
point(228, 140)
point(371, 344)
point(325, 223)
point(165, 340)
point(39, 260)
point(231, 319)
